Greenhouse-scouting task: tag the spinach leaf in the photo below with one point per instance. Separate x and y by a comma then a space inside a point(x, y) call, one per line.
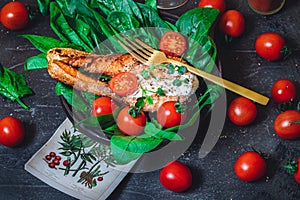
point(44, 43)
point(122, 156)
point(135, 144)
point(122, 21)
point(44, 6)
point(195, 25)
point(13, 86)
point(72, 97)
point(62, 28)
point(36, 62)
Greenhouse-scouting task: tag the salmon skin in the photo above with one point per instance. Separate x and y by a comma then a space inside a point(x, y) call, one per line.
point(72, 67)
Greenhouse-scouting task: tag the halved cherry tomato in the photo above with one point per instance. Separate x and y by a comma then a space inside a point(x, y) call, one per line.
point(14, 15)
point(242, 111)
point(250, 166)
point(270, 46)
point(130, 125)
point(102, 106)
point(176, 176)
point(172, 43)
point(123, 83)
point(169, 114)
point(287, 124)
point(217, 4)
point(283, 90)
point(232, 23)
point(11, 131)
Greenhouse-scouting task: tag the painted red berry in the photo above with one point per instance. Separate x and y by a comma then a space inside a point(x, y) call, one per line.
point(51, 165)
point(52, 154)
point(57, 158)
point(56, 162)
point(66, 163)
point(100, 178)
point(48, 157)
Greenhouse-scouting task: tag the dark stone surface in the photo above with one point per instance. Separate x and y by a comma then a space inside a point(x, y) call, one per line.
point(213, 175)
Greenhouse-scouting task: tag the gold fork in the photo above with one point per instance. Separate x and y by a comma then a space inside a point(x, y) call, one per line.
point(148, 56)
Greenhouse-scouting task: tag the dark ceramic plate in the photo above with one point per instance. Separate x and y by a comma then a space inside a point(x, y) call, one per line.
point(95, 133)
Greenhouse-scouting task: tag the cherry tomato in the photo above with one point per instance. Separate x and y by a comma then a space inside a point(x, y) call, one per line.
point(172, 43)
point(250, 166)
point(14, 16)
point(168, 115)
point(287, 124)
point(297, 172)
point(270, 46)
point(242, 111)
point(232, 23)
point(217, 4)
point(123, 83)
point(176, 176)
point(102, 106)
point(11, 131)
point(283, 90)
point(130, 125)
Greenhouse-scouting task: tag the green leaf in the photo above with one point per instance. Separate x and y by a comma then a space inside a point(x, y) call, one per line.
point(13, 86)
point(72, 97)
point(153, 131)
point(62, 28)
point(44, 43)
point(36, 62)
point(122, 156)
point(135, 144)
point(44, 6)
point(196, 25)
point(103, 121)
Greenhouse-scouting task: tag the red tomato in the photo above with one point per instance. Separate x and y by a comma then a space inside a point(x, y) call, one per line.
point(14, 16)
point(250, 166)
point(172, 43)
point(176, 177)
point(217, 4)
point(11, 131)
point(269, 46)
point(242, 111)
point(130, 125)
point(232, 23)
point(102, 106)
point(283, 90)
point(287, 124)
point(167, 115)
point(123, 83)
point(297, 173)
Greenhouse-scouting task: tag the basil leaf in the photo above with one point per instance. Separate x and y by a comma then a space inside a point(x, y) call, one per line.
point(36, 62)
point(13, 86)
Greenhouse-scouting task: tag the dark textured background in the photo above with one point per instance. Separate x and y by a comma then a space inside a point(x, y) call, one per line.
point(213, 176)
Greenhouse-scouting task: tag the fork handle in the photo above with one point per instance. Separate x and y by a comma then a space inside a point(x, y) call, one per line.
point(250, 94)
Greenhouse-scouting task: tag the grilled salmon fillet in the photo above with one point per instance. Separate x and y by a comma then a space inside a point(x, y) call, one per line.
point(64, 64)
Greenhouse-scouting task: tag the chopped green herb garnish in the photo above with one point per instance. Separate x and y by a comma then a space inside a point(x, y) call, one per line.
point(145, 74)
point(160, 92)
point(171, 68)
point(182, 69)
point(186, 80)
point(177, 82)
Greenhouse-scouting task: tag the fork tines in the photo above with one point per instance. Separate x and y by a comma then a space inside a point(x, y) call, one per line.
point(136, 48)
